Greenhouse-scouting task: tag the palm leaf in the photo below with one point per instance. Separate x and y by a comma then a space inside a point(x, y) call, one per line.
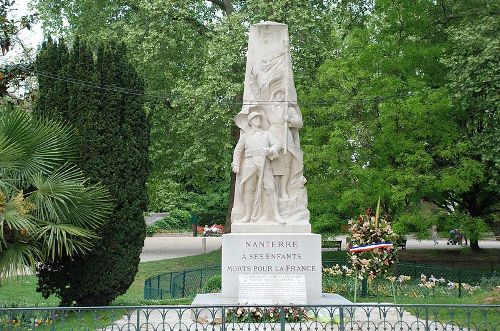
point(12, 219)
point(63, 197)
point(14, 133)
point(18, 259)
point(64, 239)
point(34, 155)
point(30, 146)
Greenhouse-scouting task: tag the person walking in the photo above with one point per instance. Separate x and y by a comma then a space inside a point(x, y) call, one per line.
point(434, 235)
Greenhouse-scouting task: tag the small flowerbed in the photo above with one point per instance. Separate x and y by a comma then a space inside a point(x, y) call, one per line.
point(25, 321)
point(338, 279)
point(266, 315)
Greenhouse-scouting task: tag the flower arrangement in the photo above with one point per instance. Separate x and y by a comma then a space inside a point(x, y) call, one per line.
point(366, 230)
point(370, 246)
point(339, 271)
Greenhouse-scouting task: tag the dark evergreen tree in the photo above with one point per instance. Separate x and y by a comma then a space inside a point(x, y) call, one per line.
point(105, 104)
point(51, 69)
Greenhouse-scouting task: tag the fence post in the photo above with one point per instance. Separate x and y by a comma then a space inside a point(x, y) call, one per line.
point(184, 284)
point(223, 325)
point(459, 283)
point(364, 287)
point(282, 318)
point(138, 327)
point(491, 268)
point(158, 283)
point(201, 278)
point(414, 269)
point(171, 285)
point(341, 318)
point(426, 318)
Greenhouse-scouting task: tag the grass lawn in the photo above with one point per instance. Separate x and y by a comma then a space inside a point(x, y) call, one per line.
point(21, 290)
point(484, 259)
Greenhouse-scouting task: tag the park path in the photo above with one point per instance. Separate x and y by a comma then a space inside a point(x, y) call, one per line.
point(169, 247)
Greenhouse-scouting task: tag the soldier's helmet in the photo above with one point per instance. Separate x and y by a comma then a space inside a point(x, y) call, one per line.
point(253, 114)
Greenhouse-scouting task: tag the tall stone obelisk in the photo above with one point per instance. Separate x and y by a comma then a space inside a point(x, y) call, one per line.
point(270, 91)
point(271, 256)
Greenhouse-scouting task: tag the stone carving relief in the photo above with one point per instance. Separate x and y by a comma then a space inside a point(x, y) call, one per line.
point(268, 160)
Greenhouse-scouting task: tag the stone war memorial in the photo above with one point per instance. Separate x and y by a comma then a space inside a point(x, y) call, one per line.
point(271, 257)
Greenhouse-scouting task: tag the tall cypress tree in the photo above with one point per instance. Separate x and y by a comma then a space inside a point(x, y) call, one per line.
point(106, 105)
point(51, 68)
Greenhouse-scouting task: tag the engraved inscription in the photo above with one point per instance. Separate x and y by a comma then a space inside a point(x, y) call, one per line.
point(272, 289)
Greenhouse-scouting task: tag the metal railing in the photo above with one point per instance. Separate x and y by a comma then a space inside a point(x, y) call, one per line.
point(179, 284)
point(367, 317)
point(489, 266)
point(415, 269)
point(190, 282)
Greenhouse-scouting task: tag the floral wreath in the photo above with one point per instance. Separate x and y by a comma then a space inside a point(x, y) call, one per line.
point(370, 248)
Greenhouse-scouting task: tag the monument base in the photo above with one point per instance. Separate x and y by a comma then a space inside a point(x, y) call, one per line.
point(272, 268)
point(214, 302)
point(216, 299)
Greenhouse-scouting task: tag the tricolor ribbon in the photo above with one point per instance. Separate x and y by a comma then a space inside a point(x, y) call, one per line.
point(367, 247)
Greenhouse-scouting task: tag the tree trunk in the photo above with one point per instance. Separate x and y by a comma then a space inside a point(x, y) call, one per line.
point(474, 245)
point(225, 5)
point(235, 134)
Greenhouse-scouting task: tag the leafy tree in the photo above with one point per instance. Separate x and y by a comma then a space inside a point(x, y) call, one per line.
point(114, 139)
point(13, 70)
point(192, 57)
point(470, 177)
point(396, 127)
point(47, 207)
point(386, 114)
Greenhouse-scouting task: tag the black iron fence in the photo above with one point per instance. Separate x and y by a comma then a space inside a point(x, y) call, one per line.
point(252, 318)
point(489, 266)
point(414, 269)
point(191, 282)
point(178, 284)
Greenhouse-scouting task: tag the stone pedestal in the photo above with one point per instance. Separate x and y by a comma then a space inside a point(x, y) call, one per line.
point(271, 254)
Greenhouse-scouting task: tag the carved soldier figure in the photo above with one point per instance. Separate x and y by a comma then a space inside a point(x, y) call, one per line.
point(282, 118)
point(253, 152)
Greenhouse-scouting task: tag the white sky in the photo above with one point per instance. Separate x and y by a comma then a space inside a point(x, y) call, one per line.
point(31, 39)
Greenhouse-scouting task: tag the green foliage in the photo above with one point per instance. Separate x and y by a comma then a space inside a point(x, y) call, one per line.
point(47, 207)
point(151, 230)
point(392, 126)
point(371, 80)
point(192, 58)
point(212, 285)
point(113, 131)
point(178, 219)
point(399, 99)
point(472, 63)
